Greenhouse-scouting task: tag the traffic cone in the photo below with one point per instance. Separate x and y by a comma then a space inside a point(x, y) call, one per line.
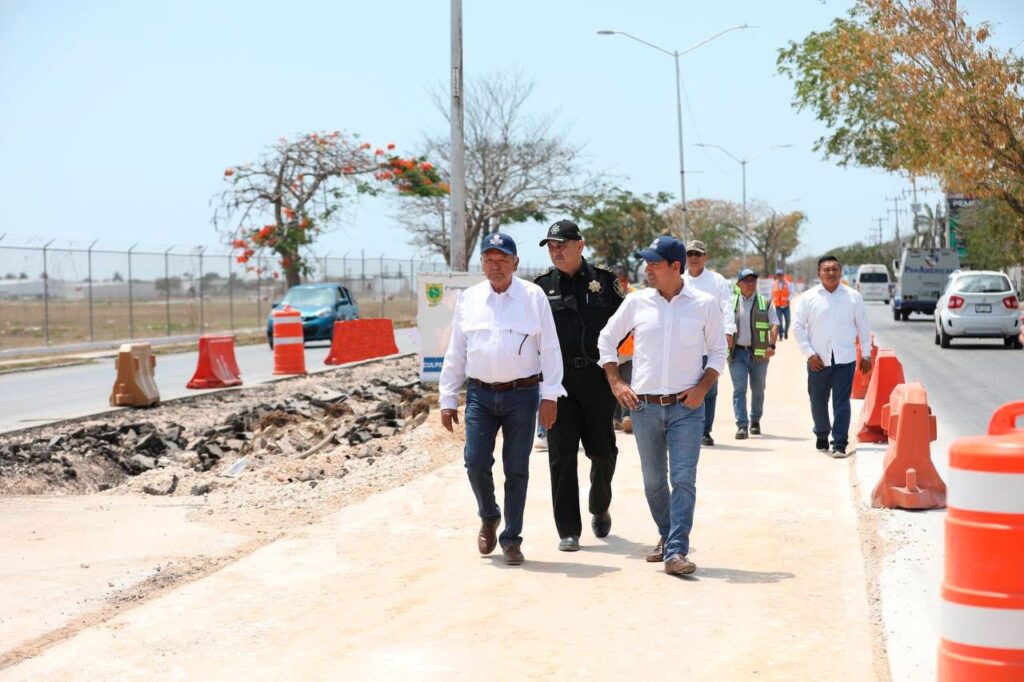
point(982, 615)
point(886, 375)
point(909, 479)
point(289, 347)
point(216, 367)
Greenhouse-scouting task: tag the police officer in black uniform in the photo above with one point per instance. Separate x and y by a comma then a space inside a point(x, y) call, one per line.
point(582, 296)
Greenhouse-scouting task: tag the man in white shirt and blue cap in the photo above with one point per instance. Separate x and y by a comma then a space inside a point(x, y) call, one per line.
point(674, 327)
point(504, 347)
point(828, 320)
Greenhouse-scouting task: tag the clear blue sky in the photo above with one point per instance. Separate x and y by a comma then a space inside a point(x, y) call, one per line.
point(117, 119)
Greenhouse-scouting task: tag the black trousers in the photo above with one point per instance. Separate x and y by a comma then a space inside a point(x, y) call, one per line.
point(584, 415)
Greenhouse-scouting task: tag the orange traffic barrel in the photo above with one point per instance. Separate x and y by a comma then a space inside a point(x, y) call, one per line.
point(982, 622)
point(289, 351)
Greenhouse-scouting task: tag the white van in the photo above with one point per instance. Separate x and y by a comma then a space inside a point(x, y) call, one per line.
point(872, 281)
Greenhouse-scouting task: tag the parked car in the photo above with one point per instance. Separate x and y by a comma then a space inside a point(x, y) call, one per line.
point(872, 281)
point(320, 305)
point(978, 304)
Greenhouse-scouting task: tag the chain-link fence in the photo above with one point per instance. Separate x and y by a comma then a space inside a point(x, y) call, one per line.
point(53, 296)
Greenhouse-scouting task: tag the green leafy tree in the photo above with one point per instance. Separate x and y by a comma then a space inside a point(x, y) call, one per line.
point(995, 240)
point(715, 222)
point(910, 85)
point(617, 223)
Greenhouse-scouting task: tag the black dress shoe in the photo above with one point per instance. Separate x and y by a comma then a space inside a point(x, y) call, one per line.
point(569, 544)
point(755, 428)
point(707, 440)
point(839, 451)
point(601, 524)
point(822, 445)
point(741, 433)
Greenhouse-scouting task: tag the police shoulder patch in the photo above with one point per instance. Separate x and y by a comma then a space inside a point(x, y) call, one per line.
point(619, 288)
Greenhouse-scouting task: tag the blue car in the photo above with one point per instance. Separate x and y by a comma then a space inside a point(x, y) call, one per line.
point(321, 305)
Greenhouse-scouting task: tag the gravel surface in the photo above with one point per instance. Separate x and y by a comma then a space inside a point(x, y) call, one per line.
point(262, 458)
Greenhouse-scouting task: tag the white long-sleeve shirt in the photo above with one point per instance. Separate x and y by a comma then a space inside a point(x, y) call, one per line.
point(719, 287)
point(502, 337)
point(670, 339)
point(828, 324)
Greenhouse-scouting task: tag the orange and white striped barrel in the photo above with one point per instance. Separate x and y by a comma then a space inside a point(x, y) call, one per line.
point(289, 351)
point(982, 623)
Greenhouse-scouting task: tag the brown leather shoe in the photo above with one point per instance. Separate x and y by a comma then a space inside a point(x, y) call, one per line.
point(513, 557)
point(627, 425)
point(678, 564)
point(658, 553)
point(487, 540)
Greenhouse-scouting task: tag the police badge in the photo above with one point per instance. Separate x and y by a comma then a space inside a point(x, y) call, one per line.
point(595, 286)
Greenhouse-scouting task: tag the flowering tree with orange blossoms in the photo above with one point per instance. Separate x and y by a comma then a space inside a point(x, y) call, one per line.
point(909, 85)
point(294, 192)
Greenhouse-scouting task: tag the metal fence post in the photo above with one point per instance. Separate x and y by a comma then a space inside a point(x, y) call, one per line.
point(92, 337)
point(380, 272)
point(199, 290)
point(231, 296)
point(131, 309)
point(46, 295)
point(412, 280)
point(167, 291)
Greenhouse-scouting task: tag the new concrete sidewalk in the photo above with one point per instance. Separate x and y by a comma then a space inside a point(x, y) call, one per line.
point(393, 585)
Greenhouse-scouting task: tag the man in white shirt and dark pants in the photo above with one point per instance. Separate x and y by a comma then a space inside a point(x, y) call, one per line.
point(505, 347)
point(674, 327)
point(697, 276)
point(828, 319)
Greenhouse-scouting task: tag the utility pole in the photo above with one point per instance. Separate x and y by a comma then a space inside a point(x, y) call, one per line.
point(895, 211)
point(457, 245)
point(878, 231)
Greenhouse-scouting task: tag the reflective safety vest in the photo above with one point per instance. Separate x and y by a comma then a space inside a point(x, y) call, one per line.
point(780, 294)
point(760, 325)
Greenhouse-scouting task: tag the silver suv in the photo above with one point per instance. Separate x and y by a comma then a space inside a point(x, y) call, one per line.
point(978, 304)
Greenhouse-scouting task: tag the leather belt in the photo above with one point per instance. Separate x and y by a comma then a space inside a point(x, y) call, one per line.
point(508, 385)
point(576, 363)
point(650, 398)
point(743, 347)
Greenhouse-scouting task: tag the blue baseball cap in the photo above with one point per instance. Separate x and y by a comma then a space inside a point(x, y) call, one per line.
point(663, 248)
point(499, 241)
point(744, 273)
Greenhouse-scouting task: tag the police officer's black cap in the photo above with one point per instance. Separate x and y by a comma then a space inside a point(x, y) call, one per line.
point(562, 231)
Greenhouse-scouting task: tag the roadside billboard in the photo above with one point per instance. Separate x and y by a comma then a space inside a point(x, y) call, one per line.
point(436, 296)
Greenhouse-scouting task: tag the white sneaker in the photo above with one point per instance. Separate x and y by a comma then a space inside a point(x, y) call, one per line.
point(540, 443)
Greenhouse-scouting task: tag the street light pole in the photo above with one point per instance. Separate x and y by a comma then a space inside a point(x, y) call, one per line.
point(743, 166)
point(457, 244)
point(676, 54)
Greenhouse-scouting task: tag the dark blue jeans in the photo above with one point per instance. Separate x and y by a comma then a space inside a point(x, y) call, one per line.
point(783, 314)
point(744, 370)
point(837, 380)
point(710, 400)
point(515, 413)
point(668, 440)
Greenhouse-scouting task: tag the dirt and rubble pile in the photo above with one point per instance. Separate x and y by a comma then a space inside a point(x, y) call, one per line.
point(300, 430)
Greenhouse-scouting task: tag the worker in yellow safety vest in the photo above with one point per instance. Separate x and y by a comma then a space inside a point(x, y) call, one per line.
point(750, 348)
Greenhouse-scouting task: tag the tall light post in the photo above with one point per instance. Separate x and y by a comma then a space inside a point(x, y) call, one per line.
point(743, 164)
point(676, 54)
point(457, 257)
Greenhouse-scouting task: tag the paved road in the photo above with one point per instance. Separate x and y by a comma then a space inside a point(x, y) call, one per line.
point(46, 395)
point(966, 382)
